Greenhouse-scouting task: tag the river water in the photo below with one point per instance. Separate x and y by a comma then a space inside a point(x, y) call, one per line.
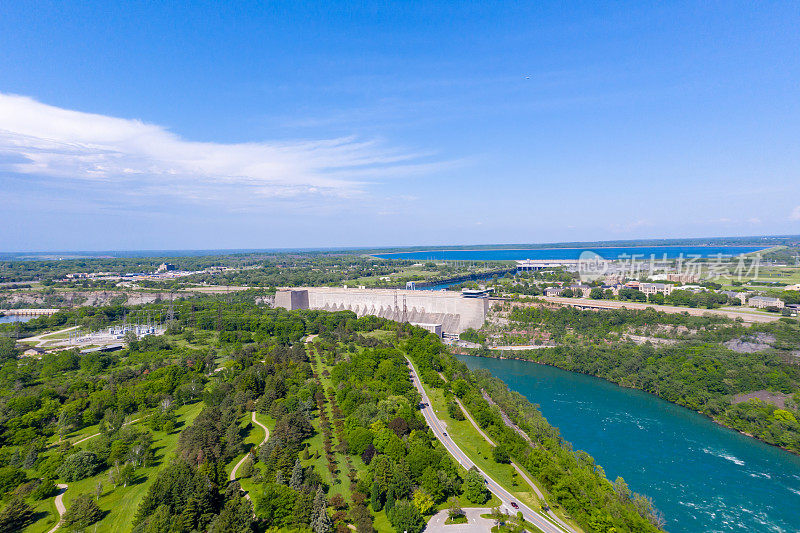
point(703, 477)
point(15, 318)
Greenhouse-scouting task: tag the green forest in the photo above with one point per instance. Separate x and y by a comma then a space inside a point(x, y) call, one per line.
point(695, 368)
point(166, 434)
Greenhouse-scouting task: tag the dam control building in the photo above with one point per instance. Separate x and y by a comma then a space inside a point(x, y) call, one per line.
point(442, 312)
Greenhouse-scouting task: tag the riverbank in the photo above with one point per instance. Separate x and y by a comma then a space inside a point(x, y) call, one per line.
point(716, 420)
point(702, 476)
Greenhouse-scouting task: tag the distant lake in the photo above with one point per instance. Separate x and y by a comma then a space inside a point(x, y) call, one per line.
point(642, 252)
point(703, 477)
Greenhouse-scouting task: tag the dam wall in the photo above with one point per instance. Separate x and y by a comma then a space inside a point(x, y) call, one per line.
point(454, 312)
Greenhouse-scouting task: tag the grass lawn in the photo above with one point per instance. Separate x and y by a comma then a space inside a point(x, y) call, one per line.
point(254, 438)
point(479, 451)
point(317, 449)
point(46, 511)
point(121, 503)
point(381, 523)
point(380, 334)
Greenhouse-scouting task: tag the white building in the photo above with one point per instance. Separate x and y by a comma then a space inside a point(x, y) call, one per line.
point(765, 301)
point(653, 288)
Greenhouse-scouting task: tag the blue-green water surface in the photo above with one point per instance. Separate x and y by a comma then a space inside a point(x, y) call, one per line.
point(702, 476)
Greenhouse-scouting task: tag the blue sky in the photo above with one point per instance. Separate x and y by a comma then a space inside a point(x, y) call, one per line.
point(280, 124)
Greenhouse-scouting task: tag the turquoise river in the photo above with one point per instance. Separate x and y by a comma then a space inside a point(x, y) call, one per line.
point(702, 476)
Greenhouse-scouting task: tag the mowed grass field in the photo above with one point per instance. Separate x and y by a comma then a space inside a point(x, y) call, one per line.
point(340, 484)
point(119, 504)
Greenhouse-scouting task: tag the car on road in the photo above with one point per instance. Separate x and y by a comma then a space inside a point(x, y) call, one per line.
point(444, 433)
point(514, 505)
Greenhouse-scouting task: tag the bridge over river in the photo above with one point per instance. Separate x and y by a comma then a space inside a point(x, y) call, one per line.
point(28, 312)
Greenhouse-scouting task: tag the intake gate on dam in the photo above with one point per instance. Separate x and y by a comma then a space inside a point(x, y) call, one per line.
point(438, 311)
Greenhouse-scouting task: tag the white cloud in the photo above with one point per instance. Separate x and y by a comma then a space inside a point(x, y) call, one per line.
point(146, 160)
point(754, 220)
point(795, 215)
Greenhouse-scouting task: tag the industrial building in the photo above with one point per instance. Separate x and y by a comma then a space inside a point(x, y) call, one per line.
point(447, 312)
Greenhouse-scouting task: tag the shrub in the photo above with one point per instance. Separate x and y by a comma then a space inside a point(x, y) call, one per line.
point(79, 465)
point(82, 513)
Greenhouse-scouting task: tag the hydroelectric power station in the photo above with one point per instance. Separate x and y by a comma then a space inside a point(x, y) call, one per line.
point(442, 312)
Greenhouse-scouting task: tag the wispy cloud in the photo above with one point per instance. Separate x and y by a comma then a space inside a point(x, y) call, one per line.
point(795, 215)
point(144, 160)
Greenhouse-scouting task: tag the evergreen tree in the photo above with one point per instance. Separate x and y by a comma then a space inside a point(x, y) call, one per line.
point(303, 512)
point(389, 500)
point(82, 513)
point(320, 502)
point(236, 517)
point(279, 478)
point(246, 470)
point(15, 515)
point(233, 440)
point(375, 498)
point(188, 518)
point(320, 521)
point(30, 458)
point(297, 475)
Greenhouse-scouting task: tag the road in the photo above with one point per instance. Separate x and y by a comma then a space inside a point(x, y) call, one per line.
point(505, 497)
point(748, 316)
point(519, 470)
point(40, 341)
point(62, 488)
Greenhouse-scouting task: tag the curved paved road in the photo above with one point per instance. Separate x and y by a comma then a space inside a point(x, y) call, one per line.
point(241, 462)
point(62, 488)
point(505, 497)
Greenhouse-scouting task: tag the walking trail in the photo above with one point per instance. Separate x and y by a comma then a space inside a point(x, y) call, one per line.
point(241, 462)
point(522, 474)
point(62, 488)
point(96, 434)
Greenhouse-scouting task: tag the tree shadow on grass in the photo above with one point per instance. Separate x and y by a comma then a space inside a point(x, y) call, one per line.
point(40, 515)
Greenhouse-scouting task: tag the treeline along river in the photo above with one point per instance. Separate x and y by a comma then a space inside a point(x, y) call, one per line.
point(703, 477)
point(641, 252)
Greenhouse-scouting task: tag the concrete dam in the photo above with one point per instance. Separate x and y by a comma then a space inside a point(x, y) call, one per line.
point(439, 311)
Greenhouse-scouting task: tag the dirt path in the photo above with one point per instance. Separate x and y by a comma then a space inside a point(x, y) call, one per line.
point(96, 434)
point(505, 418)
point(62, 488)
point(241, 462)
point(38, 338)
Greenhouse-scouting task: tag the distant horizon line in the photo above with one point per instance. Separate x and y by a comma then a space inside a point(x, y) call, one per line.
point(153, 252)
